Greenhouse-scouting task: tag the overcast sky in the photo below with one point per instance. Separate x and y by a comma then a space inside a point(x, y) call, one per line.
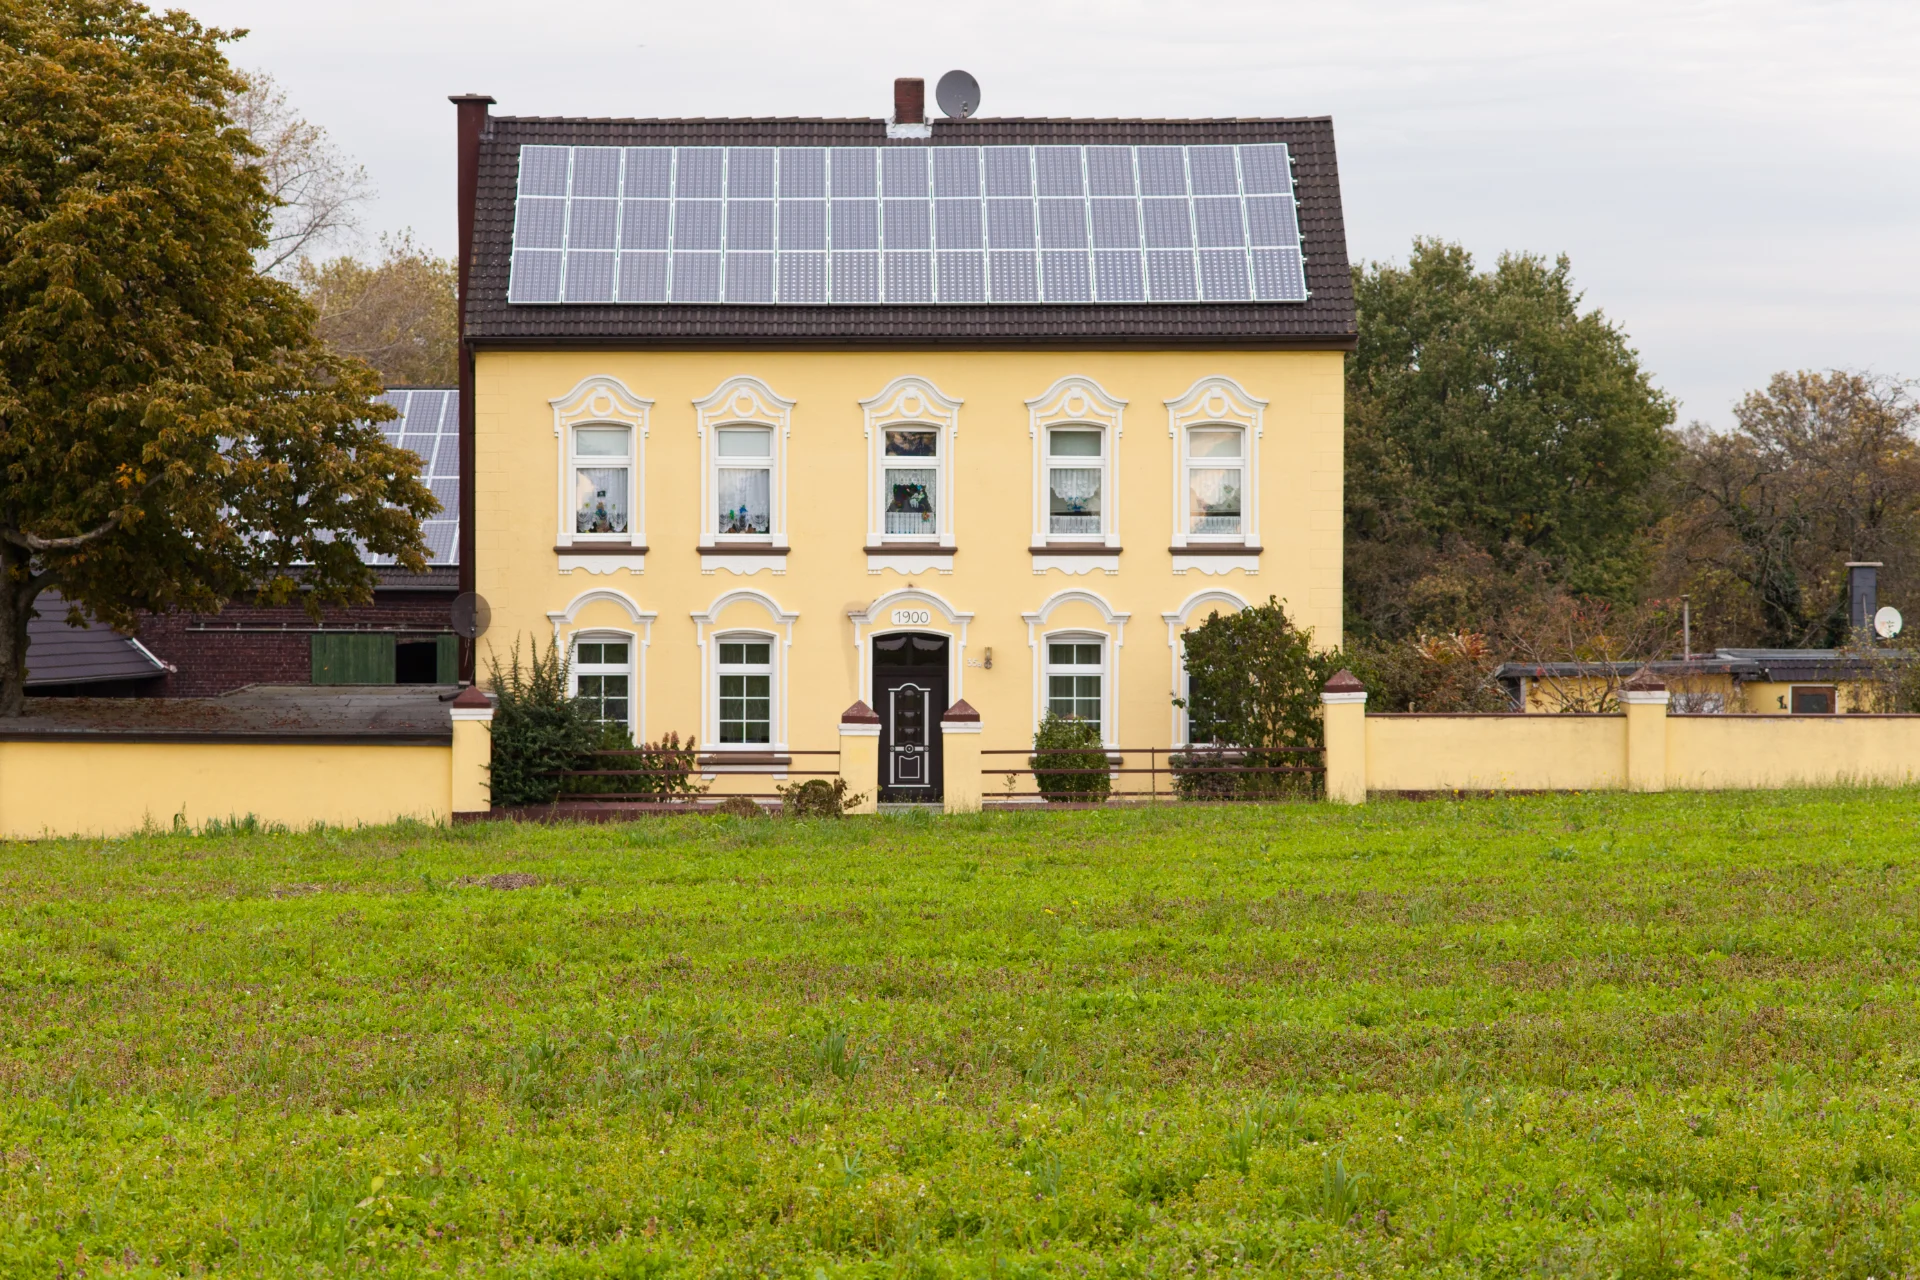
point(1737, 184)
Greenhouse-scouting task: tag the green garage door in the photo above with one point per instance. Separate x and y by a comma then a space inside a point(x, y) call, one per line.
point(347, 658)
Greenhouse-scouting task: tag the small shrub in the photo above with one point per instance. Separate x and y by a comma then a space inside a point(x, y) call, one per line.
point(1072, 747)
point(537, 727)
point(739, 807)
point(818, 798)
point(661, 771)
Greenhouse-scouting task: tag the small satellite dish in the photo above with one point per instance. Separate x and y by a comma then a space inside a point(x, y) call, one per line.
point(470, 615)
point(958, 95)
point(1887, 622)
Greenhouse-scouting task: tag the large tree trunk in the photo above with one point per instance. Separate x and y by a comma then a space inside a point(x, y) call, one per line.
point(19, 586)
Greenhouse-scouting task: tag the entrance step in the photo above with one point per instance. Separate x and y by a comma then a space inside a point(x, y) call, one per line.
point(910, 806)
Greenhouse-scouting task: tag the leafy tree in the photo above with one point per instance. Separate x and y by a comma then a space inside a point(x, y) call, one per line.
point(1495, 431)
point(400, 315)
point(1819, 469)
point(1253, 683)
point(171, 432)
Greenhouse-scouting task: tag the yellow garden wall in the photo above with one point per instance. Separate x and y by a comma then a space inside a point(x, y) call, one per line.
point(114, 788)
point(1495, 752)
point(983, 604)
point(1411, 753)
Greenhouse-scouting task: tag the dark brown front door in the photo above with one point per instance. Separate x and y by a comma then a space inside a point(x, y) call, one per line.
point(910, 693)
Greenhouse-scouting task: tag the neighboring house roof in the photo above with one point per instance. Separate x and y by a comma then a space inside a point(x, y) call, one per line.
point(58, 654)
point(1325, 320)
point(1771, 665)
point(429, 425)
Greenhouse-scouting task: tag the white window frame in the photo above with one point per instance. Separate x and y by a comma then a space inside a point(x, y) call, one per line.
point(743, 402)
point(1179, 622)
point(1112, 633)
point(601, 400)
point(706, 634)
point(1217, 402)
point(771, 670)
point(1103, 670)
point(911, 401)
point(576, 461)
point(631, 670)
point(1076, 401)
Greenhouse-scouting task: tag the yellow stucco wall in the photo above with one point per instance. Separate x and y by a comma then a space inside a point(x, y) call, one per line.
point(1756, 697)
point(518, 485)
point(130, 786)
point(1495, 752)
point(1708, 753)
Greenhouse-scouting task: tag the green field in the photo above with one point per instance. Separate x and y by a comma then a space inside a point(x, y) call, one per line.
point(1584, 1035)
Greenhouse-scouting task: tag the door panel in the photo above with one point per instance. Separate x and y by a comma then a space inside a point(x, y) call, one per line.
point(910, 694)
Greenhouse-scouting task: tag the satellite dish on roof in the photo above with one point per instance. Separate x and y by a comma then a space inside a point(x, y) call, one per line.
point(1887, 622)
point(958, 95)
point(470, 615)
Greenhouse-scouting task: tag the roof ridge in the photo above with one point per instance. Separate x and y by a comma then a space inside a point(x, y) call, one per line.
point(881, 120)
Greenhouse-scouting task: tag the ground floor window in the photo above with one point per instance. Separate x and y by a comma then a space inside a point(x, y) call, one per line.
point(1813, 700)
point(603, 679)
point(1075, 671)
point(746, 691)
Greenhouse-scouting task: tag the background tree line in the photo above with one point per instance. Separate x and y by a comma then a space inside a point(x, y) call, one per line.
point(1517, 489)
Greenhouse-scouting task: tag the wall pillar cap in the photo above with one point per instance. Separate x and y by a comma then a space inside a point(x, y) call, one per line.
point(1645, 681)
point(1343, 681)
point(859, 713)
point(471, 704)
point(960, 713)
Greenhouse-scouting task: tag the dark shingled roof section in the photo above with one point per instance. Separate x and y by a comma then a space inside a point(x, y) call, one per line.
point(383, 714)
point(1324, 321)
point(58, 654)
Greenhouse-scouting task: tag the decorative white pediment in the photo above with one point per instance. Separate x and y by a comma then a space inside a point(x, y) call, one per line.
point(1216, 399)
point(1213, 597)
point(1075, 399)
point(746, 594)
point(911, 399)
point(905, 598)
point(563, 618)
point(600, 398)
point(1078, 595)
point(744, 399)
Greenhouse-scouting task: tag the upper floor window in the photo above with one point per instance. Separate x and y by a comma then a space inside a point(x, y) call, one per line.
point(1076, 427)
point(911, 431)
point(1216, 481)
point(1076, 471)
point(600, 435)
point(910, 483)
point(603, 679)
point(1215, 429)
point(602, 479)
point(1076, 673)
point(743, 480)
point(745, 671)
point(744, 428)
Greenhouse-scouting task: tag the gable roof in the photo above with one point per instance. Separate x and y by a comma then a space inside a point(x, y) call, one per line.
point(1324, 321)
point(58, 654)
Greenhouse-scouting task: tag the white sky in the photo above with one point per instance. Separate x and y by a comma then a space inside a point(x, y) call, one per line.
point(1738, 184)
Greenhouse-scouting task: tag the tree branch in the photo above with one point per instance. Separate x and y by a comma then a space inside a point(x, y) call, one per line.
point(34, 542)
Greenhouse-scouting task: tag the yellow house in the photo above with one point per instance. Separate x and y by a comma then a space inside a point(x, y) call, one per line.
point(775, 421)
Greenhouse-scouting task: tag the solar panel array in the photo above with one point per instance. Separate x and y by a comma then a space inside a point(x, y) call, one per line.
point(429, 425)
point(868, 225)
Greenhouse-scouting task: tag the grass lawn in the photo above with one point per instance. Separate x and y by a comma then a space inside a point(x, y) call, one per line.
point(1588, 1035)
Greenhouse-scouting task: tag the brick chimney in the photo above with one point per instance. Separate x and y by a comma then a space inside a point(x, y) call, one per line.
point(909, 109)
point(471, 124)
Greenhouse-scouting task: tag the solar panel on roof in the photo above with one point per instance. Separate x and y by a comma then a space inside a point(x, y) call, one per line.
point(429, 426)
point(863, 225)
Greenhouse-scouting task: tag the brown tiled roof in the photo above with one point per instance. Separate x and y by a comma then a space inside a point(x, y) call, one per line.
point(1324, 320)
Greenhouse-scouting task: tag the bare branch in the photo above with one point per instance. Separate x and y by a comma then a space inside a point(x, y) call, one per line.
point(316, 190)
